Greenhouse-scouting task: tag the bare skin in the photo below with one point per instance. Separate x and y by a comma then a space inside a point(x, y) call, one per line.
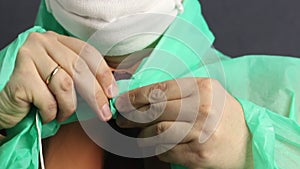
point(213, 125)
point(226, 147)
point(36, 59)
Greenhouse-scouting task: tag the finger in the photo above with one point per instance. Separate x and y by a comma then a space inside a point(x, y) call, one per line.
point(188, 109)
point(180, 154)
point(61, 84)
point(36, 90)
point(95, 62)
point(63, 89)
point(90, 90)
point(166, 132)
point(44, 101)
point(159, 92)
point(84, 80)
point(42, 62)
point(41, 97)
point(185, 110)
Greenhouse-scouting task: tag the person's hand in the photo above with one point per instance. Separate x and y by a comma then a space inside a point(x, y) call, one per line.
point(65, 63)
point(197, 113)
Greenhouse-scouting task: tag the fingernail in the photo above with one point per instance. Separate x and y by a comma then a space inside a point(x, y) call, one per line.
point(112, 90)
point(106, 112)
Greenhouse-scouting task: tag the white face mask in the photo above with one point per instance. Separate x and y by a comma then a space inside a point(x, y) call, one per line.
point(116, 27)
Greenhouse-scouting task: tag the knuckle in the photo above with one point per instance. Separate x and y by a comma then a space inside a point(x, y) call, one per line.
point(79, 66)
point(51, 33)
point(70, 110)
point(35, 36)
point(203, 155)
point(51, 108)
point(156, 110)
point(162, 86)
point(157, 95)
point(157, 91)
point(132, 97)
point(205, 84)
point(205, 109)
point(67, 84)
point(24, 51)
point(160, 128)
point(87, 49)
point(200, 154)
point(103, 73)
point(24, 60)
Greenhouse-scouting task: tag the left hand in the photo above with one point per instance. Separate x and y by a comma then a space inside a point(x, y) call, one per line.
point(199, 110)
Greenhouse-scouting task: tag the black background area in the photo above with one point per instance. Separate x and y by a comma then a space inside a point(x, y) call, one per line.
point(240, 26)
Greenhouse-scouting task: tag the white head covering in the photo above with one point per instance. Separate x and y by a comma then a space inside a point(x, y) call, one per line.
point(119, 26)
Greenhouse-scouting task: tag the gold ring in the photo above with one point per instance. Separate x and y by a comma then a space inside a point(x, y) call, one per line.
point(54, 71)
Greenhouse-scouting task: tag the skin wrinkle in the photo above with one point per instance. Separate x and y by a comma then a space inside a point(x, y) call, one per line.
point(155, 93)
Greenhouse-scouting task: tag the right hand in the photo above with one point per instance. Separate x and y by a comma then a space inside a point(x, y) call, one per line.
point(81, 66)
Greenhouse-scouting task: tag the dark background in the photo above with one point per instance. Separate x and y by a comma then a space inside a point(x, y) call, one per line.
point(240, 26)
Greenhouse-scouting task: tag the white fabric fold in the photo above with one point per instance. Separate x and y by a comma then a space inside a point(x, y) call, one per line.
point(116, 27)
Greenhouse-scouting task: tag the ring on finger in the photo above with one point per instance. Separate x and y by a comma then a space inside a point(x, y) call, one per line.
point(50, 76)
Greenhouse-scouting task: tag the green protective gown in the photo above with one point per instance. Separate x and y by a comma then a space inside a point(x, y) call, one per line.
point(266, 86)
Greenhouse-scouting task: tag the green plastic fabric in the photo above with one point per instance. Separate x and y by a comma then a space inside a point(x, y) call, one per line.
point(266, 86)
point(20, 148)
